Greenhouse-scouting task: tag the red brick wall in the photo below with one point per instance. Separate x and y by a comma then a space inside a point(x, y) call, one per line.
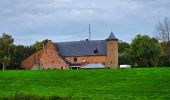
point(112, 54)
point(50, 59)
point(87, 59)
point(29, 62)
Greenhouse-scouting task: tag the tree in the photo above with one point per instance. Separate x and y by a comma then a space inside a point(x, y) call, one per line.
point(20, 53)
point(145, 51)
point(123, 46)
point(163, 30)
point(39, 45)
point(163, 34)
point(6, 49)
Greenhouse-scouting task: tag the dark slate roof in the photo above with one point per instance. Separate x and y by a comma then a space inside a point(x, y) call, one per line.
point(82, 48)
point(112, 37)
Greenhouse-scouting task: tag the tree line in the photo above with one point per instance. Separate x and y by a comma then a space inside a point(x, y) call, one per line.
point(143, 51)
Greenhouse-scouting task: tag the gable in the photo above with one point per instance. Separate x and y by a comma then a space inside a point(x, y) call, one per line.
point(82, 48)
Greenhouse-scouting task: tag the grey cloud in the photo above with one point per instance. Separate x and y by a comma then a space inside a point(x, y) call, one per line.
point(72, 9)
point(36, 16)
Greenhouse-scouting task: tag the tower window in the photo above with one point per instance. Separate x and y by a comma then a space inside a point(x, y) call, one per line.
point(96, 51)
point(75, 59)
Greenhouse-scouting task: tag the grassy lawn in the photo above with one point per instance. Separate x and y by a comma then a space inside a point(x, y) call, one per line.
point(108, 84)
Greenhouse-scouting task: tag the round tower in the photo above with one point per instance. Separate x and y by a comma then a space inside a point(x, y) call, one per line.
point(112, 51)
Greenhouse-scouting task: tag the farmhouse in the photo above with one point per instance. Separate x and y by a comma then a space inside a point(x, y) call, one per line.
point(74, 54)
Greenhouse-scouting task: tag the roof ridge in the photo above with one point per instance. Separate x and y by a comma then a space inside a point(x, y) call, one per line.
point(78, 41)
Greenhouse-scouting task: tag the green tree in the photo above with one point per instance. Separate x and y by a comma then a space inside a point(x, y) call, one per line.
point(39, 45)
point(21, 52)
point(123, 46)
point(6, 49)
point(145, 51)
point(165, 58)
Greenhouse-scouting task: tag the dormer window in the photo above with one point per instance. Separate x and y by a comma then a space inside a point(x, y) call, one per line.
point(96, 51)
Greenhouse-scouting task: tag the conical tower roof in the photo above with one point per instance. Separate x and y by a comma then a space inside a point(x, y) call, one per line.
point(111, 37)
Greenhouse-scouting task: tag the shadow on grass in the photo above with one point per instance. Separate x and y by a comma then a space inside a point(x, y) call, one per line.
point(34, 97)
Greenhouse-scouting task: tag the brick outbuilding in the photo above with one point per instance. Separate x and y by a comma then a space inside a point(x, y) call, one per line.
point(62, 55)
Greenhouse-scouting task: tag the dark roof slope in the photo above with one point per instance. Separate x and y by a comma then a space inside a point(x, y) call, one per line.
point(82, 48)
point(112, 37)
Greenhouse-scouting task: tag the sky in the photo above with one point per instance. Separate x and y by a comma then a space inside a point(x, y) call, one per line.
point(29, 21)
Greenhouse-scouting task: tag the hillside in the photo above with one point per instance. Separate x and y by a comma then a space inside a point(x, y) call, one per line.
point(142, 84)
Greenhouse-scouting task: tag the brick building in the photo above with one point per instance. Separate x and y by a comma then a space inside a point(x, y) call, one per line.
point(65, 55)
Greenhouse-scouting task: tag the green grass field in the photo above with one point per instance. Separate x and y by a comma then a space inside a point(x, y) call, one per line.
point(109, 84)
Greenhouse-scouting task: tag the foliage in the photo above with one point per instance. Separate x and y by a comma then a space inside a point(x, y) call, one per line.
point(39, 45)
point(6, 49)
point(109, 84)
point(145, 51)
point(165, 59)
point(21, 52)
point(163, 34)
point(122, 48)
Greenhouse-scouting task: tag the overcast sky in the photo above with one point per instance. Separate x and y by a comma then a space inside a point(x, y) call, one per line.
point(67, 20)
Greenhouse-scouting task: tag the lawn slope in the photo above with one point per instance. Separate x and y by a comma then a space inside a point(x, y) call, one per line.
point(141, 84)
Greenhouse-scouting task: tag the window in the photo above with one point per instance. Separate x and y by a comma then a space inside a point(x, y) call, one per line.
point(96, 51)
point(75, 59)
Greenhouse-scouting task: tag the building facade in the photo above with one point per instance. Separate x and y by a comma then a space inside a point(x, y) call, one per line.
point(74, 54)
